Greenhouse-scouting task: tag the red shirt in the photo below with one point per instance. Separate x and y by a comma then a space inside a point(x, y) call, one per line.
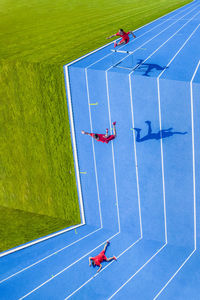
point(124, 35)
point(99, 258)
point(103, 138)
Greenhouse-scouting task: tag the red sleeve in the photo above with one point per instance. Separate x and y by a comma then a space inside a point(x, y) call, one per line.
point(128, 32)
point(118, 34)
point(91, 134)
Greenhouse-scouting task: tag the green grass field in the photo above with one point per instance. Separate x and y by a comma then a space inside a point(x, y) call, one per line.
point(37, 179)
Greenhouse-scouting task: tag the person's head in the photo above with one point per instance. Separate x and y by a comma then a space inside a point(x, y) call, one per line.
point(93, 263)
point(96, 136)
point(121, 31)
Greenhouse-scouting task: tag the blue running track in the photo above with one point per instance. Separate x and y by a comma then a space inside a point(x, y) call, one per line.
point(142, 190)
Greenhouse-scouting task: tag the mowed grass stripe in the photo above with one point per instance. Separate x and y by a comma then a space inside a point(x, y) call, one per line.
point(37, 39)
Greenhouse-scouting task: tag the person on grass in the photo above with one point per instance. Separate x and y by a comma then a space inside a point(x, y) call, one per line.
point(124, 35)
point(97, 260)
point(104, 138)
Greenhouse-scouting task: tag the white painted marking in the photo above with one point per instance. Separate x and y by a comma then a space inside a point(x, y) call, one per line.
point(113, 155)
point(48, 256)
point(164, 202)
point(135, 152)
point(94, 155)
point(193, 156)
point(84, 56)
point(173, 276)
point(158, 35)
point(136, 272)
point(65, 269)
point(162, 160)
point(74, 145)
point(67, 66)
point(194, 178)
point(69, 296)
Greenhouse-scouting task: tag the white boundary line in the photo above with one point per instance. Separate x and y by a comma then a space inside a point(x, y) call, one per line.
point(48, 256)
point(84, 56)
point(174, 275)
point(93, 149)
point(102, 269)
point(74, 144)
point(66, 65)
point(116, 191)
point(194, 187)
point(164, 203)
point(135, 152)
point(138, 65)
point(162, 160)
point(40, 240)
point(63, 270)
point(137, 272)
point(71, 227)
point(113, 155)
point(110, 127)
point(118, 232)
point(146, 42)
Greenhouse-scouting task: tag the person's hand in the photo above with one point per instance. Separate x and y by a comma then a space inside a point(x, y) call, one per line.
point(82, 131)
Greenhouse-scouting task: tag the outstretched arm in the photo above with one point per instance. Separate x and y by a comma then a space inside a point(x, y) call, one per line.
point(84, 132)
point(111, 36)
point(99, 268)
point(134, 36)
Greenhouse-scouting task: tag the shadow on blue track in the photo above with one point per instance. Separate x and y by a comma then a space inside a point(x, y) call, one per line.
point(161, 134)
point(148, 68)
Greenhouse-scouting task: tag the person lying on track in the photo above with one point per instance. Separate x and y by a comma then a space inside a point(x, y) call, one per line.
point(124, 35)
point(97, 260)
point(104, 138)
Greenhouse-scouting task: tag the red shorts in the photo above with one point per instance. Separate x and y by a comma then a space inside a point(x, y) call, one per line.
point(104, 139)
point(99, 258)
point(126, 40)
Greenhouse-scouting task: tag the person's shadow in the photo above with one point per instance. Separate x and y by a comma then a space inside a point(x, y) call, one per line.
point(147, 68)
point(161, 134)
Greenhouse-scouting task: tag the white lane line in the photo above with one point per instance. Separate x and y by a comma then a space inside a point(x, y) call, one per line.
point(46, 257)
point(94, 155)
point(193, 173)
point(174, 275)
point(136, 272)
point(138, 65)
point(74, 144)
point(158, 35)
point(162, 159)
point(132, 72)
point(94, 231)
point(194, 180)
point(65, 269)
point(97, 274)
point(135, 152)
point(113, 155)
point(84, 56)
point(193, 156)
point(160, 120)
point(129, 43)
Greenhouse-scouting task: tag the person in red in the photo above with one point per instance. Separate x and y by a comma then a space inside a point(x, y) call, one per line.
point(97, 260)
point(104, 138)
point(124, 35)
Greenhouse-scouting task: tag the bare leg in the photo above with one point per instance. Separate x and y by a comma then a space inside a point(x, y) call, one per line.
point(114, 129)
point(111, 258)
point(105, 247)
point(106, 135)
point(120, 43)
